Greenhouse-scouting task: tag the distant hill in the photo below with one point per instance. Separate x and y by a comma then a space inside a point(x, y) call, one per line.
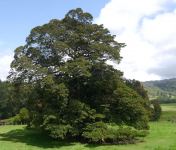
point(161, 89)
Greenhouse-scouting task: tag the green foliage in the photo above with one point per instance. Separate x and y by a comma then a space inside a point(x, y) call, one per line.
point(21, 118)
point(130, 108)
point(12, 98)
point(62, 77)
point(156, 110)
point(101, 133)
point(7, 105)
point(96, 132)
point(16, 119)
point(138, 87)
point(163, 90)
point(24, 115)
point(12, 120)
point(58, 131)
point(76, 116)
point(166, 100)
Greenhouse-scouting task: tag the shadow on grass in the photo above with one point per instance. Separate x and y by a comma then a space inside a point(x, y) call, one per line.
point(106, 145)
point(33, 138)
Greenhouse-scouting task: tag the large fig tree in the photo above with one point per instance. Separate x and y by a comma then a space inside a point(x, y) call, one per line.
point(69, 85)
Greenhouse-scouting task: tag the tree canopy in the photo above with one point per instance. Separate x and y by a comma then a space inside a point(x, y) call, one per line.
point(62, 74)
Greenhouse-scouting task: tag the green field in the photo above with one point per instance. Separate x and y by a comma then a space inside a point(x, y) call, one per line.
point(162, 137)
point(169, 112)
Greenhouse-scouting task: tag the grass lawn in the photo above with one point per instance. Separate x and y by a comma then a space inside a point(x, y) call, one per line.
point(162, 137)
point(169, 112)
point(169, 107)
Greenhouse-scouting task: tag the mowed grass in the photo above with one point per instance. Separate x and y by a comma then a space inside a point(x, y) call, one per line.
point(169, 107)
point(169, 112)
point(162, 137)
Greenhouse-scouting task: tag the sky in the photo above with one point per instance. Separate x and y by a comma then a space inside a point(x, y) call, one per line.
point(148, 27)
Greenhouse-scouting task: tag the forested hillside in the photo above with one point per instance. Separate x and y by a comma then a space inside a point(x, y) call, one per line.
point(165, 90)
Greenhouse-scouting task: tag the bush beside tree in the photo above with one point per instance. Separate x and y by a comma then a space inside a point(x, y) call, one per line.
point(156, 110)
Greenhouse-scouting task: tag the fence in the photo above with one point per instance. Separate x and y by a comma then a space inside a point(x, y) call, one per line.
point(11, 123)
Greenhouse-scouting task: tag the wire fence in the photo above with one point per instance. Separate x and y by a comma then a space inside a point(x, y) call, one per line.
point(12, 123)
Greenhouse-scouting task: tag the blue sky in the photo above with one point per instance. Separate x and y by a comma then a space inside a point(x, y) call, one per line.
point(18, 17)
point(146, 26)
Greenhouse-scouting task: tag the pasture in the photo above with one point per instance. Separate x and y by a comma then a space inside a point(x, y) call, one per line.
point(162, 137)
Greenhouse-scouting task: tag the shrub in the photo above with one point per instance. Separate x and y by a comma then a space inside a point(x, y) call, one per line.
point(58, 131)
point(96, 132)
point(156, 110)
point(24, 115)
point(100, 133)
point(21, 118)
point(12, 120)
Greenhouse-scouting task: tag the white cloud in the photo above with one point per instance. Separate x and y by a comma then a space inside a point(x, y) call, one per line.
point(5, 61)
point(162, 28)
point(148, 29)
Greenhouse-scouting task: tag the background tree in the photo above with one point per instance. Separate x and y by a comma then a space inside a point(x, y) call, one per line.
point(8, 106)
point(156, 110)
